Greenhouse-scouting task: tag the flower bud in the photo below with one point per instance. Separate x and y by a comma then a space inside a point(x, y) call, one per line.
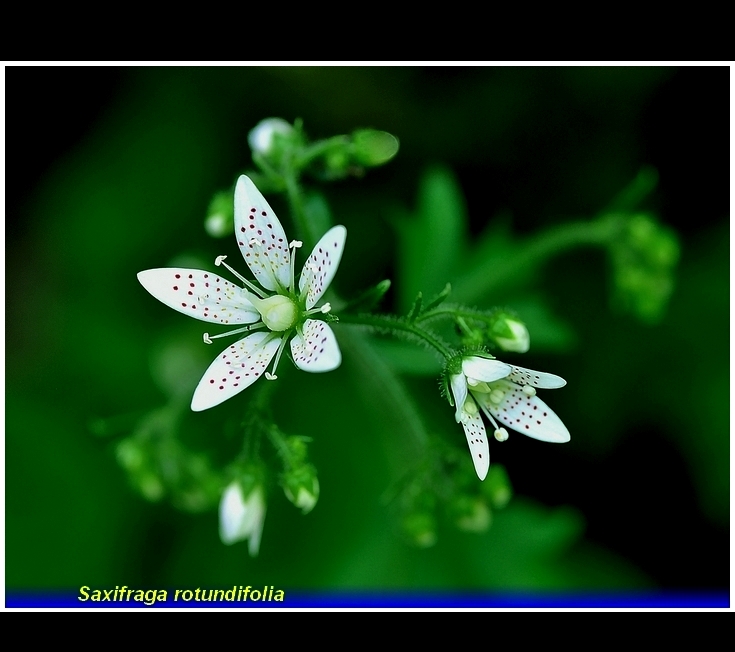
point(220, 220)
point(242, 516)
point(302, 493)
point(497, 488)
point(262, 138)
point(420, 528)
point(510, 334)
point(471, 514)
point(372, 147)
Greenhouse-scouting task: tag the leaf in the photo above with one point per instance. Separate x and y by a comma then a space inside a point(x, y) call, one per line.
point(432, 241)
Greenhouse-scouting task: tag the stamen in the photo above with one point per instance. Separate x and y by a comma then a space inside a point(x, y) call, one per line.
point(282, 346)
point(294, 244)
point(208, 338)
point(470, 407)
point(501, 434)
point(497, 395)
point(220, 261)
point(324, 310)
point(529, 391)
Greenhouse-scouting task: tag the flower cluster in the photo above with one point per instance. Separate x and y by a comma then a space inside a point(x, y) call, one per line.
point(276, 309)
point(507, 394)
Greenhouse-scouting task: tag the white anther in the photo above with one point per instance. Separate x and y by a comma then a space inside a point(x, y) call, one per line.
point(470, 408)
point(206, 339)
point(497, 395)
point(218, 260)
point(326, 308)
point(472, 382)
point(529, 391)
point(270, 376)
point(501, 434)
point(295, 244)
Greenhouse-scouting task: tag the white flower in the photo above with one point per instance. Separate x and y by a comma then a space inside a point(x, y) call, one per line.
point(505, 393)
point(242, 518)
point(277, 306)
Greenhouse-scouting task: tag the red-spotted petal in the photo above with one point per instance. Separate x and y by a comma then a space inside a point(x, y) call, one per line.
point(526, 414)
point(318, 350)
point(235, 369)
point(261, 237)
point(474, 429)
point(199, 294)
point(538, 379)
point(321, 265)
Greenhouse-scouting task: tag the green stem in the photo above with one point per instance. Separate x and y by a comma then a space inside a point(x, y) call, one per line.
point(319, 148)
point(532, 253)
point(393, 325)
point(293, 191)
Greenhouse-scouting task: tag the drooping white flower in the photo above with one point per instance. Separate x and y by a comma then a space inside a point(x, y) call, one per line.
point(277, 307)
point(507, 394)
point(241, 517)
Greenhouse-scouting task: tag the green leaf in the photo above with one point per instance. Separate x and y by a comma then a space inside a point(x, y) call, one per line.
point(432, 241)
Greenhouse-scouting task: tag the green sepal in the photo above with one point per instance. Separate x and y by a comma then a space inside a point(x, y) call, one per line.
point(368, 299)
point(415, 309)
point(439, 298)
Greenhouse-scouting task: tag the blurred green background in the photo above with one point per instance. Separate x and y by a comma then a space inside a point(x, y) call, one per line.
point(109, 171)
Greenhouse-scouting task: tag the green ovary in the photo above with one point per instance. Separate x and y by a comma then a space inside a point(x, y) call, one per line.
point(279, 313)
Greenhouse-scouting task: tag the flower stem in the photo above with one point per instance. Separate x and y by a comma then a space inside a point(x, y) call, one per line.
point(532, 253)
point(395, 326)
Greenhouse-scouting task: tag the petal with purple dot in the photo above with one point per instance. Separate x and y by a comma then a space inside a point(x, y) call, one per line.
point(235, 369)
point(317, 350)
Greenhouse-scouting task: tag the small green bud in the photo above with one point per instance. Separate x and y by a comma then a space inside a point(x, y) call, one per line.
point(420, 528)
point(497, 488)
point(220, 220)
point(471, 514)
point(372, 147)
point(304, 492)
point(510, 334)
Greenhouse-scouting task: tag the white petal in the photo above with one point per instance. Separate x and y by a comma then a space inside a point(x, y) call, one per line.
point(484, 369)
point(261, 237)
point(538, 379)
point(526, 414)
point(458, 383)
point(199, 294)
point(474, 429)
point(236, 368)
point(321, 265)
point(318, 350)
point(232, 512)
